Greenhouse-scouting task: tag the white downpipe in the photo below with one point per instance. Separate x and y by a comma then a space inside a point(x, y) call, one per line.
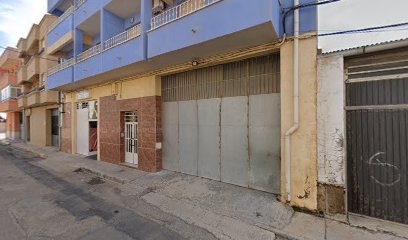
point(295, 125)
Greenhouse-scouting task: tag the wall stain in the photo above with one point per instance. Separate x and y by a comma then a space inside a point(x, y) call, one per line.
point(306, 190)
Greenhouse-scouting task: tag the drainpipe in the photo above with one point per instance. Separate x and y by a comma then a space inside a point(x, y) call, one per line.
point(295, 125)
point(60, 109)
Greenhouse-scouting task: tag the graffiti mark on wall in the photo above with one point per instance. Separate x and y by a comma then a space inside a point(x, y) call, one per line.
point(375, 161)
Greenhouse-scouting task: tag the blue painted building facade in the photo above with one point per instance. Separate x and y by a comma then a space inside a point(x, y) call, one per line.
point(158, 59)
point(102, 40)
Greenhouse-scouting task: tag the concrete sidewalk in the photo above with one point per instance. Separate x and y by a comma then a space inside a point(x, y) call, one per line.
point(227, 211)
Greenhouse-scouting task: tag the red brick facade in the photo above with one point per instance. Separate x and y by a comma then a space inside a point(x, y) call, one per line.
point(13, 123)
point(66, 138)
point(111, 125)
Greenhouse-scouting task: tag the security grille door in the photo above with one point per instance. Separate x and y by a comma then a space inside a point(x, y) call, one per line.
point(223, 123)
point(377, 136)
point(131, 139)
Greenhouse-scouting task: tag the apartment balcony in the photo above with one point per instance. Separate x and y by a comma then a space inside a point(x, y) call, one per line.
point(117, 52)
point(61, 75)
point(33, 99)
point(84, 9)
point(22, 75)
point(9, 105)
point(22, 102)
point(201, 28)
point(53, 5)
point(41, 98)
point(33, 38)
point(48, 97)
point(61, 32)
point(33, 68)
point(22, 47)
point(88, 63)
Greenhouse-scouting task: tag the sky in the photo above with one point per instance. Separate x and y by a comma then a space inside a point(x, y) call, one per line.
point(17, 17)
point(354, 14)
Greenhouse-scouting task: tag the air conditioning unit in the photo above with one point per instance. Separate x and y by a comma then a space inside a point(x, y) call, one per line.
point(158, 6)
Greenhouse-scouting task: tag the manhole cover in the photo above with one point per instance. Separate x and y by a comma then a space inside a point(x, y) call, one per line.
point(95, 181)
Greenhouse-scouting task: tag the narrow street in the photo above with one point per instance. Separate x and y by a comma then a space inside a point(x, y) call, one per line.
point(47, 194)
point(38, 204)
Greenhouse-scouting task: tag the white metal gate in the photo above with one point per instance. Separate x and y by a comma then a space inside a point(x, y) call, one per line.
point(82, 129)
point(131, 139)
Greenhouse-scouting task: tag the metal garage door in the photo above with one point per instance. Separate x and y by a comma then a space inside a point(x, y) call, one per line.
point(377, 136)
point(223, 123)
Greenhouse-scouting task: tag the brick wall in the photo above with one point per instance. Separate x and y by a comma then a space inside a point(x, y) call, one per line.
point(330, 199)
point(13, 122)
point(111, 125)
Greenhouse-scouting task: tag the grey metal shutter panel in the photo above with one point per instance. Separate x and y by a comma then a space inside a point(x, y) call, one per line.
point(223, 123)
point(377, 135)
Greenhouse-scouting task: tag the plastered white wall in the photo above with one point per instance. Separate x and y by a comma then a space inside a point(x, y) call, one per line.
point(330, 120)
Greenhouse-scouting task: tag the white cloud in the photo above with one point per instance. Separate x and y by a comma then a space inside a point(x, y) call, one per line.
point(17, 17)
point(355, 14)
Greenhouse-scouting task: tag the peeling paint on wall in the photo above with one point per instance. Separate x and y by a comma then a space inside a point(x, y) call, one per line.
point(330, 120)
point(307, 189)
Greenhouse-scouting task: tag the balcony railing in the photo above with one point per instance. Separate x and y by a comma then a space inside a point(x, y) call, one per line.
point(122, 37)
point(64, 64)
point(79, 3)
point(117, 40)
point(95, 50)
point(66, 14)
point(186, 8)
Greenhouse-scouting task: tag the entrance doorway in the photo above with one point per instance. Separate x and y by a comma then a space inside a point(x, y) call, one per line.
point(54, 128)
point(131, 138)
point(87, 128)
point(377, 130)
point(27, 129)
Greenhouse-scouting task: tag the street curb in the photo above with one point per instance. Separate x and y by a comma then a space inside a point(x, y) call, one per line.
point(101, 175)
point(281, 233)
point(35, 153)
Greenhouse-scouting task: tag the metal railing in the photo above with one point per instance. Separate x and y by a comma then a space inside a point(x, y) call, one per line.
point(64, 64)
point(122, 37)
point(186, 8)
point(95, 50)
point(66, 14)
point(78, 3)
point(108, 44)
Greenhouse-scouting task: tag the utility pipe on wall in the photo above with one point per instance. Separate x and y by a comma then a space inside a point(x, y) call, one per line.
point(295, 125)
point(60, 112)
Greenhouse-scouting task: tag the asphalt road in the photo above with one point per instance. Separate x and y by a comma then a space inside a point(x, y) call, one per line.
point(36, 203)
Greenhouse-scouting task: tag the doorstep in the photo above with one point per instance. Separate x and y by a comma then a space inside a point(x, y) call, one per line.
point(129, 165)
